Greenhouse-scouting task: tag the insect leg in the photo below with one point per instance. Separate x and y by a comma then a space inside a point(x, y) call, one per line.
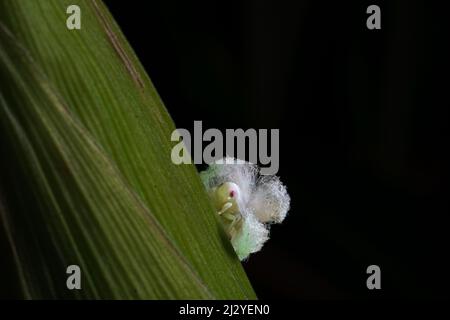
point(225, 207)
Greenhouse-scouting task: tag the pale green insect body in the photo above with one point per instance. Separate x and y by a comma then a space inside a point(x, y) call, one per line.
point(246, 202)
point(226, 198)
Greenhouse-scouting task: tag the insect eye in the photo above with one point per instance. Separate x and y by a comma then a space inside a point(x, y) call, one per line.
point(232, 194)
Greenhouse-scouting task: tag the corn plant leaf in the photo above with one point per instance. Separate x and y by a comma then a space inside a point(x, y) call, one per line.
point(86, 176)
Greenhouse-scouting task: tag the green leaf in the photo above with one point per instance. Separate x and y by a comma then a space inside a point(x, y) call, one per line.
point(86, 174)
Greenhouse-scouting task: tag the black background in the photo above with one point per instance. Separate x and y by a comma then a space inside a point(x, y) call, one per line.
point(363, 118)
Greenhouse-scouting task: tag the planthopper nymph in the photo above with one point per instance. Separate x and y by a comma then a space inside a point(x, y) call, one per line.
point(246, 202)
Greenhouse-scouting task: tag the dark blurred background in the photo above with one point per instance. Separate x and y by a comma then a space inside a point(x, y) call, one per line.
point(364, 125)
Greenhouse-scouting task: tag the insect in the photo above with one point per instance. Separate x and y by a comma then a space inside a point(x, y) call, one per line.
point(246, 202)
